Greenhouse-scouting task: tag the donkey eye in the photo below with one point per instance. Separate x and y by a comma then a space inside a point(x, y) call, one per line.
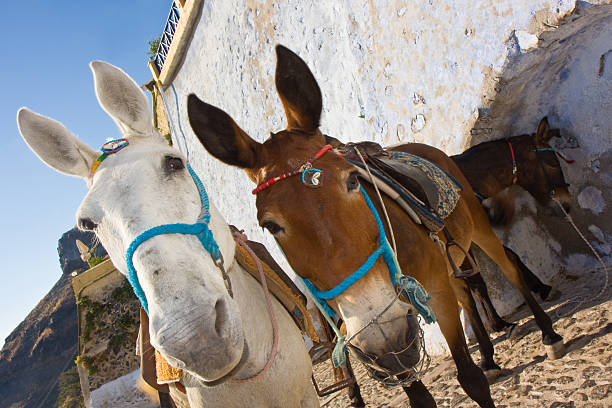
point(273, 227)
point(174, 163)
point(352, 182)
point(86, 224)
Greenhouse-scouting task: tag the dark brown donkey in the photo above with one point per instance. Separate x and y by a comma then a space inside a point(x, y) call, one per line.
point(530, 162)
point(327, 232)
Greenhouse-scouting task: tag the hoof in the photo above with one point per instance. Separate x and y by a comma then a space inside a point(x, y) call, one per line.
point(493, 374)
point(555, 350)
point(513, 331)
point(544, 292)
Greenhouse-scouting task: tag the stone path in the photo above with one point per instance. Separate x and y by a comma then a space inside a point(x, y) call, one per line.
point(581, 379)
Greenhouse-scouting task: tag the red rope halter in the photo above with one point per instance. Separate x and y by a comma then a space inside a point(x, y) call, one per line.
point(293, 172)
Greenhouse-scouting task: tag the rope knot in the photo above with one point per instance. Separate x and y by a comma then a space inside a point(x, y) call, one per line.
point(339, 352)
point(416, 294)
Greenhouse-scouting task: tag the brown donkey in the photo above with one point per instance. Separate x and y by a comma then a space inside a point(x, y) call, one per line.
point(526, 160)
point(327, 232)
point(530, 162)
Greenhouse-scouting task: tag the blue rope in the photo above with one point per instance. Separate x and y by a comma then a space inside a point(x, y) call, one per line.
point(407, 285)
point(384, 249)
point(199, 229)
point(412, 290)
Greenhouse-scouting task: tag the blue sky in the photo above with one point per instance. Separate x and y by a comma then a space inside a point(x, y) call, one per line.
point(46, 49)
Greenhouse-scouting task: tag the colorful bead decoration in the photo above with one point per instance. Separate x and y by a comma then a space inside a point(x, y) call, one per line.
point(305, 169)
point(110, 147)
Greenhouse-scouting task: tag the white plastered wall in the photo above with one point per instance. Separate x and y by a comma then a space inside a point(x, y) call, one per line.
point(397, 71)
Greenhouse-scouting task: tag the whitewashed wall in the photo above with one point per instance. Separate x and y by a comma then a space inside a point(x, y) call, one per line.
point(389, 71)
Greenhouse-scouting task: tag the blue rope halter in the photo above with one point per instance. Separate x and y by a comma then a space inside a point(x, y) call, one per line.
point(199, 229)
point(406, 285)
point(384, 250)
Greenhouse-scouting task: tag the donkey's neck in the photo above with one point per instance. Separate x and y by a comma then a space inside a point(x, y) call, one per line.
point(487, 166)
point(249, 297)
point(256, 321)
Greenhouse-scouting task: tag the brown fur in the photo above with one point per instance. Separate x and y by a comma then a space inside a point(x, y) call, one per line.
point(327, 232)
point(488, 166)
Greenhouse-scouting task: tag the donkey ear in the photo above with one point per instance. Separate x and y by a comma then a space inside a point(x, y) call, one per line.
point(298, 90)
point(544, 133)
point(221, 136)
point(122, 99)
point(54, 144)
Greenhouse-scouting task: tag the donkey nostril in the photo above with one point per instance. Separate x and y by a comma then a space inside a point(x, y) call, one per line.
point(86, 224)
point(221, 318)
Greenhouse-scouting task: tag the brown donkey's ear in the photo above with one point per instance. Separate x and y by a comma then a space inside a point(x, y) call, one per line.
point(220, 135)
point(298, 90)
point(544, 132)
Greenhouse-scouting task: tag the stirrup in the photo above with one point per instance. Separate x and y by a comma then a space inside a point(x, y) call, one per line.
point(457, 271)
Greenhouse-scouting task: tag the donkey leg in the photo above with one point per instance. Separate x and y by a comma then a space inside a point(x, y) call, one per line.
point(354, 392)
point(480, 293)
point(419, 395)
point(533, 282)
point(469, 375)
point(486, 239)
point(487, 362)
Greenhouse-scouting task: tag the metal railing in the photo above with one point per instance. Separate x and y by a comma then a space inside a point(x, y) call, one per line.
point(166, 37)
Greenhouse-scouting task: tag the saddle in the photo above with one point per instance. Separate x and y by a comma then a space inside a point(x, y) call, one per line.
point(429, 192)
point(156, 371)
point(426, 192)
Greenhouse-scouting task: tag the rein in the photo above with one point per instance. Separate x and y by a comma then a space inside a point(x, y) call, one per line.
point(305, 169)
point(555, 151)
point(199, 229)
point(241, 240)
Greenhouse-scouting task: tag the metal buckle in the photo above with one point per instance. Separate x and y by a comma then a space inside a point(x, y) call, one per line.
point(224, 275)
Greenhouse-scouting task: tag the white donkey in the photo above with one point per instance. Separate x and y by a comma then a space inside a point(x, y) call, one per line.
point(195, 322)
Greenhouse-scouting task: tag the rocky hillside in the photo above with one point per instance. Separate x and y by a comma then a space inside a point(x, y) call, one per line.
point(44, 344)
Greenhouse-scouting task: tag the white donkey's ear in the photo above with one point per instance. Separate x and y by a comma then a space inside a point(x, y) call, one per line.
point(122, 99)
point(54, 144)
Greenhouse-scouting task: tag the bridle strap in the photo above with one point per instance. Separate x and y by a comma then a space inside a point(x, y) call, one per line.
point(199, 229)
point(384, 250)
point(293, 172)
point(514, 168)
point(555, 151)
point(241, 239)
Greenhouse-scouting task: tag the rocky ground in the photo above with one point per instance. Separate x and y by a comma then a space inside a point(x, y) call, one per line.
point(582, 378)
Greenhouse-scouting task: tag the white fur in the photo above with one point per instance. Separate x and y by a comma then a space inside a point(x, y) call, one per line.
point(193, 320)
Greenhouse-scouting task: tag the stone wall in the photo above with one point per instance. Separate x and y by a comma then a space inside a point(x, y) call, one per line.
point(425, 71)
point(108, 314)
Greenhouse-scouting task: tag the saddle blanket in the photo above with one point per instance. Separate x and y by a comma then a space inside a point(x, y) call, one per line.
point(426, 191)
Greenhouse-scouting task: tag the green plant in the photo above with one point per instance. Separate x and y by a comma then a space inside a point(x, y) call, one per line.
point(153, 46)
point(94, 310)
point(116, 342)
point(69, 390)
point(88, 363)
point(94, 260)
point(126, 323)
point(123, 293)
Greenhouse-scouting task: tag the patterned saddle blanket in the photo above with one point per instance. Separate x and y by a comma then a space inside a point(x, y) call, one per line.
point(426, 191)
